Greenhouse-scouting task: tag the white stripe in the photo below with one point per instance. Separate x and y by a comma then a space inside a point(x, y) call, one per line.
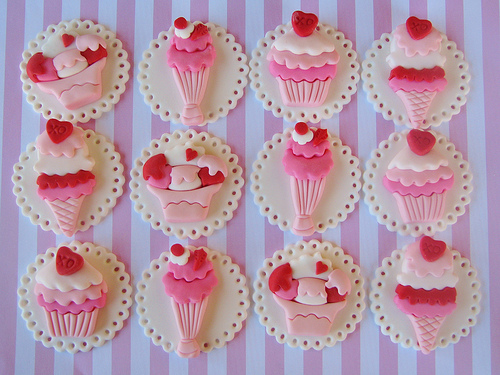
point(287, 8)
point(332, 359)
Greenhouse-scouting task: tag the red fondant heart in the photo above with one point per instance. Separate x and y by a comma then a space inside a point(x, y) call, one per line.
point(321, 267)
point(155, 167)
point(199, 30)
point(207, 179)
point(58, 131)
point(67, 261)
point(67, 39)
point(200, 256)
point(191, 154)
point(304, 23)
point(319, 136)
point(420, 141)
point(93, 56)
point(431, 249)
point(281, 278)
point(177, 249)
point(417, 28)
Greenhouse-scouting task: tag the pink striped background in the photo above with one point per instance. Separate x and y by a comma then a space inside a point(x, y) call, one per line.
point(249, 238)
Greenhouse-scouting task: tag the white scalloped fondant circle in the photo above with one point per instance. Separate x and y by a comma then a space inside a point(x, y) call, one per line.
point(109, 179)
point(111, 316)
point(226, 311)
point(114, 76)
point(383, 205)
point(223, 203)
point(394, 323)
point(342, 87)
point(272, 316)
point(226, 82)
point(375, 75)
point(271, 185)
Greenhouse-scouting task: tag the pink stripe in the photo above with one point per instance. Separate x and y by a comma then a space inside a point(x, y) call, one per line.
point(52, 11)
point(426, 363)
point(275, 355)
point(199, 11)
point(418, 9)
point(82, 362)
point(312, 360)
point(491, 77)
point(89, 10)
point(14, 43)
point(310, 6)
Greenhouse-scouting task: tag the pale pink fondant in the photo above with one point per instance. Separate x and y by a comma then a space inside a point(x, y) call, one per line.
point(408, 177)
point(422, 209)
point(308, 150)
point(431, 42)
point(184, 175)
point(163, 182)
point(306, 195)
point(50, 72)
point(214, 164)
point(313, 289)
point(418, 86)
point(424, 309)
point(186, 271)
point(303, 93)
point(415, 262)
point(78, 90)
point(192, 87)
point(307, 168)
point(89, 41)
point(302, 61)
point(312, 74)
point(68, 147)
point(68, 59)
point(73, 325)
point(290, 293)
point(338, 279)
point(73, 296)
point(416, 191)
point(191, 61)
point(73, 308)
point(183, 291)
point(52, 194)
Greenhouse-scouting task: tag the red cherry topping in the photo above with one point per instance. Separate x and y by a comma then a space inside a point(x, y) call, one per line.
point(67, 261)
point(67, 39)
point(199, 30)
point(431, 249)
point(58, 131)
point(321, 267)
point(191, 154)
point(421, 142)
point(304, 23)
point(301, 128)
point(177, 250)
point(180, 23)
point(281, 278)
point(200, 256)
point(319, 136)
point(154, 167)
point(417, 28)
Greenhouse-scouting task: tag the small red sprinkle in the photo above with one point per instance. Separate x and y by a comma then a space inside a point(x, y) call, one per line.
point(301, 128)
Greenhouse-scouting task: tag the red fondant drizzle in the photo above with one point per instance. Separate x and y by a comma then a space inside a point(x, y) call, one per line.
point(281, 278)
point(154, 167)
point(207, 179)
point(93, 56)
point(433, 296)
point(57, 130)
point(420, 142)
point(412, 74)
point(332, 295)
point(67, 261)
point(37, 68)
point(45, 181)
point(418, 28)
point(304, 23)
point(431, 249)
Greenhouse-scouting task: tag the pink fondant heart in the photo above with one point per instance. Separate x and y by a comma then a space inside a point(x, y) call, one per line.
point(417, 28)
point(431, 249)
point(420, 141)
point(321, 267)
point(191, 154)
point(67, 261)
point(67, 39)
point(58, 131)
point(304, 23)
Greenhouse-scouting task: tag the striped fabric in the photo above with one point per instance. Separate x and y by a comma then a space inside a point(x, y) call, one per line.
point(249, 238)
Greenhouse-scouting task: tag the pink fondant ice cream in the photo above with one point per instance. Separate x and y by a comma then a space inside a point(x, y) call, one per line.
point(417, 67)
point(304, 62)
point(310, 292)
point(69, 67)
point(191, 56)
point(419, 177)
point(426, 290)
point(189, 281)
point(64, 168)
point(72, 292)
point(184, 179)
point(307, 161)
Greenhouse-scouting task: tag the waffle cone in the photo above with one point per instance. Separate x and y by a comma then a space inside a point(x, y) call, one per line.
point(426, 329)
point(417, 105)
point(66, 213)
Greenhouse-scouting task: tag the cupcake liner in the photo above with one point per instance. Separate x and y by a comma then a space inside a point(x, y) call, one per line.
point(384, 206)
point(114, 77)
point(273, 195)
point(221, 206)
point(421, 209)
point(274, 318)
point(342, 87)
point(109, 179)
point(225, 312)
point(395, 323)
point(226, 83)
point(375, 74)
point(303, 93)
point(108, 320)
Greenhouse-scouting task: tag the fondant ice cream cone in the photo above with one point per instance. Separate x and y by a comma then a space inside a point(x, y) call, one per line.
point(426, 329)
point(417, 105)
point(66, 213)
point(189, 317)
point(306, 195)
